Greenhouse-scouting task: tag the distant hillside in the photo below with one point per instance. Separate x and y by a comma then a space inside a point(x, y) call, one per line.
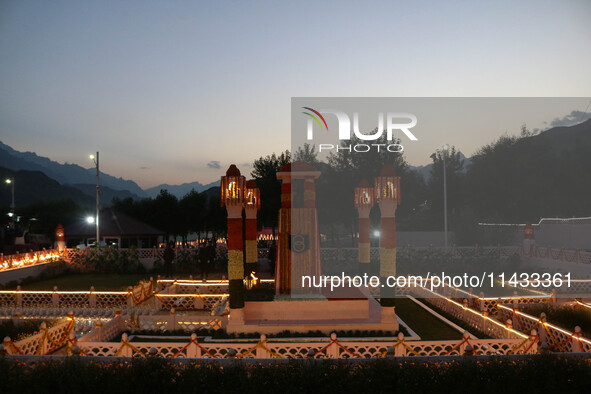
point(35, 186)
point(180, 190)
point(63, 173)
point(107, 194)
point(425, 171)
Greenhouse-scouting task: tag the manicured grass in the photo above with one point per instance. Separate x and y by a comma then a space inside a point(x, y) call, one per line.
point(423, 323)
point(84, 281)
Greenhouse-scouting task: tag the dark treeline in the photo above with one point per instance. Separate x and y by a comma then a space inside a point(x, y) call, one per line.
point(510, 180)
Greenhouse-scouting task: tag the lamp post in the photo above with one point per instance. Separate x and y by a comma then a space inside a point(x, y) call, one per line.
point(95, 159)
point(445, 148)
point(232, 197)
point(10, 181)
point(364, 200)
point(387, 195)
point(252, 204)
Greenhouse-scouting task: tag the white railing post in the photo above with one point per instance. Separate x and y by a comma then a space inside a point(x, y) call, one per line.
point(575, 340)
point(260, 352)
point(19, 297)
point(44, 345)
point(99, 331)
point(534, 339)
point(333, 350)
point(542, 334)
point(193, 351)
point(55, 298)
point(130, 302)
point(171, 323)
point(92, 297)
point(125, 349)
point(72, 341)
point(399, 348)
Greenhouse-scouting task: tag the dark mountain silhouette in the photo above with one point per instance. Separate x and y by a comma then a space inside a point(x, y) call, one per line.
point(180, 190)
point(62, 173)
point(107, 194)
point(35, 186)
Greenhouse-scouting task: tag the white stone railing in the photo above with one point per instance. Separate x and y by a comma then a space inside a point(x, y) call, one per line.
point(304, 348)
point(169, 298)
point(94, 299)
point(557, 254)
point(557, 338)
point(46, 341)
point(478, 320)
point(22, 260)
point(489, 304)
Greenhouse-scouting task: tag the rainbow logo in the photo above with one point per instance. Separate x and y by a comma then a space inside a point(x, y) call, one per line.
point(315, 118)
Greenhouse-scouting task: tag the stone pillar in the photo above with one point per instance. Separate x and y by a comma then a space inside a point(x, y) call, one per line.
point(235, 257)
point(251, 206)
point(387, 189)
point(232, 197)
point(364, 202)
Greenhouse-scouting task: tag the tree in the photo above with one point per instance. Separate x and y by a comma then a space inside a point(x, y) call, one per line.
point(265, 174)
point(307, 153)
point(192, 208)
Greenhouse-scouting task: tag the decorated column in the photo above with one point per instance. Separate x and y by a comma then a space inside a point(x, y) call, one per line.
point(363, 202)
point(387, 193)
point(232, 197)
point(60, 238)
point(251, 205)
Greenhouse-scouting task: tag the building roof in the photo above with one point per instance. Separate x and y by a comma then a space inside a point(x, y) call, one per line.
point(111, 223)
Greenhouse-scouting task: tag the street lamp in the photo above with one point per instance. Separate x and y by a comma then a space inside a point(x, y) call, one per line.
point(445, 148)
point(95, 159)
point(10, 181)
point(443, 153)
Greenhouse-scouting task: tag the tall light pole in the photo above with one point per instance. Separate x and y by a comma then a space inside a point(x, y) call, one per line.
point(95, 159)
point(10, 181)
point(445, 148)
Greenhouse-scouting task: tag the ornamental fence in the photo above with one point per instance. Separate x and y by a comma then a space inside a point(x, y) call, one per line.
point(94, 299)
point(191, 296)
point(322, 348)
point(489, 304)
point(22, 260)
point(475, 319)
point(558, 339)
point(46, 341)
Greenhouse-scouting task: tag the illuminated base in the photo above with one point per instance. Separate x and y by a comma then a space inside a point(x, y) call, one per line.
point(312, 315)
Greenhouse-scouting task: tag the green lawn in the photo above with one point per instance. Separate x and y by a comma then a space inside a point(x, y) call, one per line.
point(423, 323)
point(84, 281)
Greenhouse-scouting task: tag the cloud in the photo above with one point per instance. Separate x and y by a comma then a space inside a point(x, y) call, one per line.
point(144, 168)
point(575, 117)
point(214, 164)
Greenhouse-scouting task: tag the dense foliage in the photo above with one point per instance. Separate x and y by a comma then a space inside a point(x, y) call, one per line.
point(491, 375)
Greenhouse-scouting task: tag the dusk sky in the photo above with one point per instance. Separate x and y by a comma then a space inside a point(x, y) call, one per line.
point(176, 91)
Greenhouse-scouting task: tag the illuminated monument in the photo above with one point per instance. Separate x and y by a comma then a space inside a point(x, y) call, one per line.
point(296, 308)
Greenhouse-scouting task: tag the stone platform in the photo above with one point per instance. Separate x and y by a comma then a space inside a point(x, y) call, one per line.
point(324, 315)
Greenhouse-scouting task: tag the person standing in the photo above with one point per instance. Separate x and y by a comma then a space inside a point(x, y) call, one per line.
point(168, 256)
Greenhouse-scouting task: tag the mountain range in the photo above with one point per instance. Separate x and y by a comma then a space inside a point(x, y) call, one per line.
point(48, 179)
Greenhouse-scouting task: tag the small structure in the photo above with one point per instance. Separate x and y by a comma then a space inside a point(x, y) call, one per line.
point(297, 308)
point(117, 229)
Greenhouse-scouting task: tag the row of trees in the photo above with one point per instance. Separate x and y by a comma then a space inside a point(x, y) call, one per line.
point(513, 179)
